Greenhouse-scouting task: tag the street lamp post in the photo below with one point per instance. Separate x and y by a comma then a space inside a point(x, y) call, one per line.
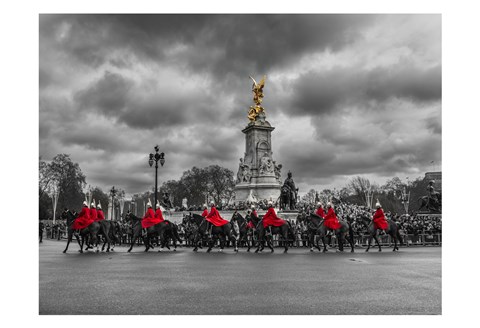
point(155, 158)
point(113, 191)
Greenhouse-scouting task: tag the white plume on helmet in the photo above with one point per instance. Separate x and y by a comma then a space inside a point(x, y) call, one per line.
point(253, 206)
point(329, 204)
point(212, 203)
point(85, 203)
point(149, 204)
point(205, 206)
point(378, 205)
point(270, 202)
point(158, 204)
point(319, 204)
point(93, 203)
point(99, 206)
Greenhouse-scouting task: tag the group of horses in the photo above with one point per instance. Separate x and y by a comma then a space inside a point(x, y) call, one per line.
point(237, 232)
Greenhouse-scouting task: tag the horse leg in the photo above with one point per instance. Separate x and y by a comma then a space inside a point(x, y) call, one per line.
point(81, 245)
point(369, 242)
point(69, 239)
point(311, 241)
point(222, 242)
point(324, 244)
point(210, 244)
point(259, 241)
point(394, 241)
point(285, 241)
point(134, 237)
point(317, 241)
point(378, 242)
point(340, 238)
point(270, 243)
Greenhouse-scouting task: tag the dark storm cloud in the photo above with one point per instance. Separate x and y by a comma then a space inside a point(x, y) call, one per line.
point(219, 44)
point(109, 94)
point(317, 93)
point(113, 86)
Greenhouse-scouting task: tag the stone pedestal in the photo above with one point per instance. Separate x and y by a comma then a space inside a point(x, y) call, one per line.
point(258, 176)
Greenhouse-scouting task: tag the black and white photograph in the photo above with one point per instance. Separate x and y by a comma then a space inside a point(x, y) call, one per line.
point(240, 163)
point(218, 165)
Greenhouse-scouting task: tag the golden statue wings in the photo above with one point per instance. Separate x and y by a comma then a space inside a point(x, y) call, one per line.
point(257, 89)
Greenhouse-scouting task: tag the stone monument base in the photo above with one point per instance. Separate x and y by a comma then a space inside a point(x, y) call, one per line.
point(258, 191)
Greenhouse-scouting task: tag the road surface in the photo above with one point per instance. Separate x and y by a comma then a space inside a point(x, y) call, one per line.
point(183, 282)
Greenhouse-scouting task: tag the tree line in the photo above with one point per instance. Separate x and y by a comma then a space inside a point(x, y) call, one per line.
point(197, 185)
point(388, 194)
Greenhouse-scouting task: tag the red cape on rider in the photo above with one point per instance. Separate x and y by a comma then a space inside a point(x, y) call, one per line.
point(320, 212)
point(214, 218)
point(271, 219)
point(149, 220)
point(379, 221)
point(83, 220)
point(331, 220)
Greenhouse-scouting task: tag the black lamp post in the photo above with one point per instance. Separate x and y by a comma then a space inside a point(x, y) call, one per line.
point(155, 158)
point(113, 191)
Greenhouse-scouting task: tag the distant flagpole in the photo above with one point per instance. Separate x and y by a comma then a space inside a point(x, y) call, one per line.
point(433, 165)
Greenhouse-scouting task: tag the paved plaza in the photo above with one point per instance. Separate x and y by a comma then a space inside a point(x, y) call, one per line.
point(184, 282)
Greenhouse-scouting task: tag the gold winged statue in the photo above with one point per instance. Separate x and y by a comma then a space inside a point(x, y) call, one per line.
point(257, 89)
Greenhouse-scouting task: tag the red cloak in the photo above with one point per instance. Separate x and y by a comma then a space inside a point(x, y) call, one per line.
point(250, 225)
point(93, 214)
point(205, 213)
point(379, 221)
point(331, 221)
point(83, 220)
point(159, 215)
point(271, 219)
point(214, 218)
point(100, 215)
point(320, 212)
point(254, 213)
point(149, 220)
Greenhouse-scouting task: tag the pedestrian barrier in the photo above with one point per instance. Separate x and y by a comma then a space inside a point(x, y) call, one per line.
point(360, 240)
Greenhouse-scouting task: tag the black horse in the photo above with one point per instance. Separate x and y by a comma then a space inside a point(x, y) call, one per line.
point(245, 234)
point(113, 232)
point(90, 232)
point(173, 235)
point(216, 233)
point(392, 231)
point(315, 226)
point(157, 230)
point(285, 230)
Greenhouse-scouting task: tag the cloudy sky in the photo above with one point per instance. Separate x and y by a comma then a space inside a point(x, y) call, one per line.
point(348, 95)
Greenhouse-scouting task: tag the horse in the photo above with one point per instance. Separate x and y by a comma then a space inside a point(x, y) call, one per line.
point(90, 231)
point(315, 226)
point(157, 230)
point(392, 231)
point(172, 234)
point(217, 232)
point(244, 233)
point(282, 230)
point(430, 204)
point(114, 231)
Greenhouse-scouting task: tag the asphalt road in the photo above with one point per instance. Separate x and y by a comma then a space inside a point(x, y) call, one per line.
point(183, 282)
